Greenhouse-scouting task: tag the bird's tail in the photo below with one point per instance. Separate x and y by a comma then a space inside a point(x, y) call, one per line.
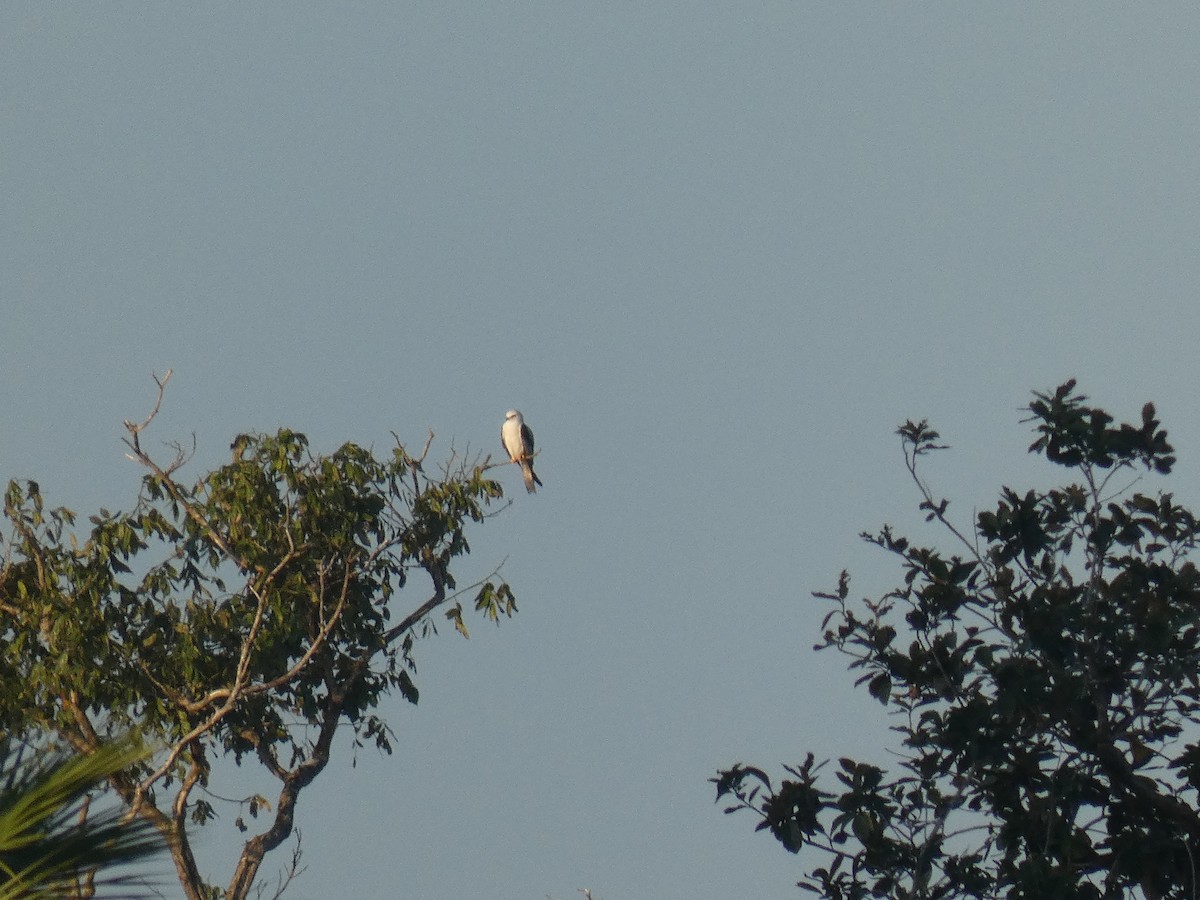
point(530, 477)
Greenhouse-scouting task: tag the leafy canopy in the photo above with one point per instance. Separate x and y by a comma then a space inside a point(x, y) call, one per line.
point(1044, 679)
point(245, 615)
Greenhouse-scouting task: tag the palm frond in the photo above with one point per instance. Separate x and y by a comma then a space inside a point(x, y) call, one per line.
point(51, 839)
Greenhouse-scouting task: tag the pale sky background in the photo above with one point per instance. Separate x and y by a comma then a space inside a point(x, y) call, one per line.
point(715, 252)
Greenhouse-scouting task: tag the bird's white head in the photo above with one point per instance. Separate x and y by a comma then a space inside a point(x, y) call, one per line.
point(513, 414)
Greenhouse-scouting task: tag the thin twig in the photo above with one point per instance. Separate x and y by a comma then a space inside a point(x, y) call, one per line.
point(135, 430)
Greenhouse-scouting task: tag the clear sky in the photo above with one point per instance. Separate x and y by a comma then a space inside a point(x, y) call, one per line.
point(715, 252)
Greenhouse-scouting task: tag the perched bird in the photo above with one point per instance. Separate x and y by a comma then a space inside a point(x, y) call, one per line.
point(518, 444)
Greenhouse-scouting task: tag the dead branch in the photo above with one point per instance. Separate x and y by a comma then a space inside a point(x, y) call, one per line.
point(135, 430)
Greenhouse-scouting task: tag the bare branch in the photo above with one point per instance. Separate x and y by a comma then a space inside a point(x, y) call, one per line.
point(136, 430)
point(194, 773)
point(438, 598)
point(288, 875)
point(425, 450)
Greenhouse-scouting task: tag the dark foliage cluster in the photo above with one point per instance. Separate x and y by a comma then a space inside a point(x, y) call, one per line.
point(1045, 679)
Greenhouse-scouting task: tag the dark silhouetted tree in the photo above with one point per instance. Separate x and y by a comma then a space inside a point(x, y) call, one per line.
point(1044, 681)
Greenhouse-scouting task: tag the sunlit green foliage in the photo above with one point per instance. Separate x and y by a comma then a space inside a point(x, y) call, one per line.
point(1045, 682)
point(245, 615)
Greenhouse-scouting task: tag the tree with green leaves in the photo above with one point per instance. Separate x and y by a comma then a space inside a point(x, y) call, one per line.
point(1044, 681)
point(245, 617)
point(53, 842)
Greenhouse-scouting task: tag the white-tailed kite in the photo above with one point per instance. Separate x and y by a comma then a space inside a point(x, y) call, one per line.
point(518, 444)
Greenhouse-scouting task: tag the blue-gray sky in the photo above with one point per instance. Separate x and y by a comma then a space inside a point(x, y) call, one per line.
point(714, 252)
